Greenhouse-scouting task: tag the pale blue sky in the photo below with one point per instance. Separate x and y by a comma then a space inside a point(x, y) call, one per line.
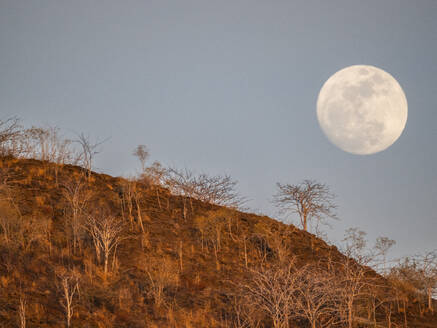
point(230, 86)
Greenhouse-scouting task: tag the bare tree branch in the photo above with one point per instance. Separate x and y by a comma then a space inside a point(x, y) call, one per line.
point(310, 200)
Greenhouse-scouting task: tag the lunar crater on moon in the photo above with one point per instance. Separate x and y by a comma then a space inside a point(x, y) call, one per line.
point(362, 109)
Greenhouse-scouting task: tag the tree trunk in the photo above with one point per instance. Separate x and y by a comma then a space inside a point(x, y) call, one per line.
point(349, 315)
point(217, 263)
point(140, 218)
point(245, 251)
point(405, 314)
point(158, 198)
point(181, 256)
point(106, 265)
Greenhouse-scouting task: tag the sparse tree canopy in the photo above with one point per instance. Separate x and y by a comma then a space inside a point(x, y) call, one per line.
point(355, 245)
point(142, 153)
point(420, 275)
point(382, 246)
point(218, 190)
point(155, 173)
point(271, 291)
point(9, 129)
point(89, 150)
point(310, 200)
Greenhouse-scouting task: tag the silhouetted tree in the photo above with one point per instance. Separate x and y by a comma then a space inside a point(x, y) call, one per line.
point(88, 151)
point(382, 246)
point(310, 200)
point(9, 129)
point(218, 190)
point(142, 153)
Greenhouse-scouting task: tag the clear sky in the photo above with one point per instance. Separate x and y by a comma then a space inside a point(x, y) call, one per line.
point(230, 86)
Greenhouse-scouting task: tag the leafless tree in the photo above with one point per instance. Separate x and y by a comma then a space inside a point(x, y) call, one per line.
point(77, 195)
point(9, 129)
point(355, 276)
point(107, 234)
point(382, 246)
point(154, 176)
point(355, 244)
point(218, 190)
point(211, 228)
point(403, 288)
point(47, 144)
point(161, 274)
point(127, 194)
point(180, 183)
point(420, 274)
point(271, 290)
point(68, 283)
point(428, 271)
point(89, 151)
point(245, 315)
point(131, 197)
point(316, 298)
point(353, 282)
point(310, 200)
point(279, 240)
point(22, 312)
point(10, 221)
point(142, 153)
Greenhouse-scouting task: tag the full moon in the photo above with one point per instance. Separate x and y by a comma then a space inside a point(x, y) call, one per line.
point(362, 109)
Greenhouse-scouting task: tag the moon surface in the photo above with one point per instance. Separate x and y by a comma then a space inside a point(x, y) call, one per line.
point(362, 109)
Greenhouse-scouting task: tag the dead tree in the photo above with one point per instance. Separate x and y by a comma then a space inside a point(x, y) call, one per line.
point(428, 271)
point(244, 315)
point(68, 283)
point(271, 291)
point(154, 175)
point(10, 221)
point(131, 197)
point(22, 312)
point(419, 273)
point(88, 151)
point(310, 200)
point(180, 183)
point(162, 273)
point(9, 129)
point(77, 195)
point(402, 288)
point(107, 234)
point(211, 228)
point(142, 153)
point(217, 190)
point(316, 297)
point(127, 194)
point(382, 246)
point(355, 244)
point(353, 283)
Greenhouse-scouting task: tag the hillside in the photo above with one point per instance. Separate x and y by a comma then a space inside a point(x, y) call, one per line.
point(171, 261)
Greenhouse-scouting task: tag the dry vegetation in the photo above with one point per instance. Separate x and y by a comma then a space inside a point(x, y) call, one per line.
point(170, 249)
